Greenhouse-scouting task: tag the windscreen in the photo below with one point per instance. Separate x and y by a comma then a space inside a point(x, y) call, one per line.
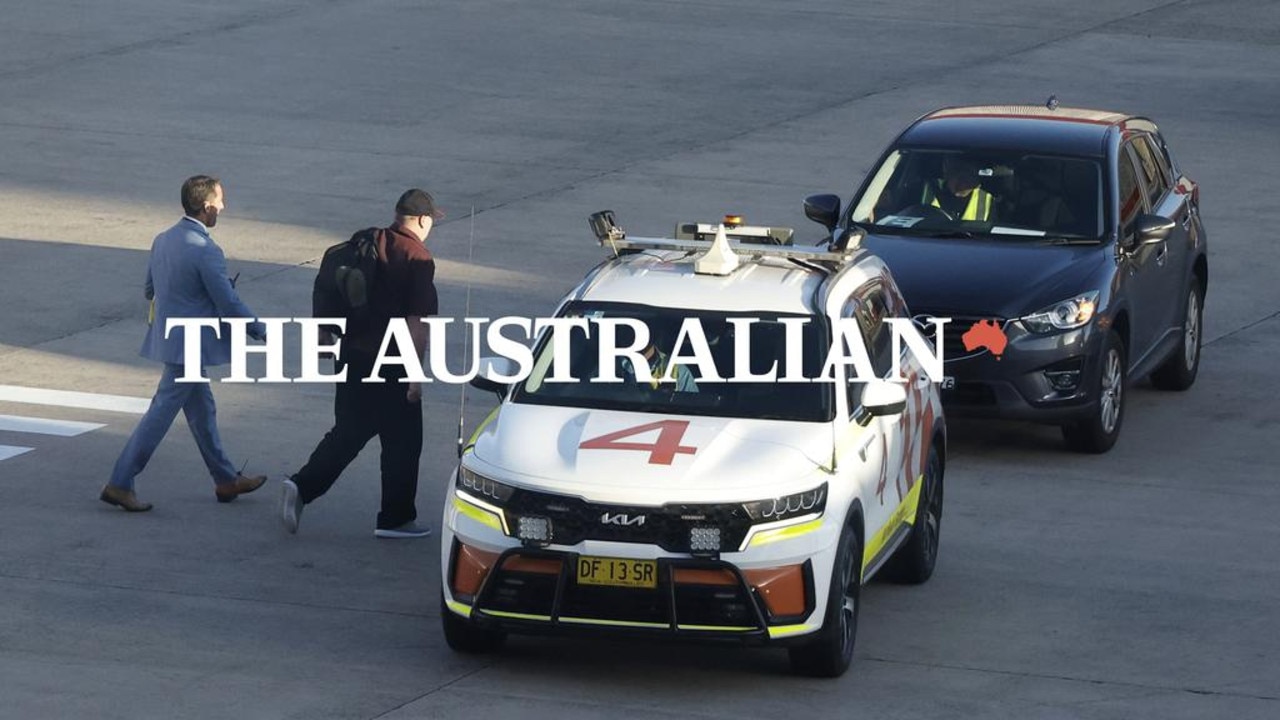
point(762, 344)
point(1007, 195)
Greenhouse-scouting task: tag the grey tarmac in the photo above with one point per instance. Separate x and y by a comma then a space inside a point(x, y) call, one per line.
point(1140, 584)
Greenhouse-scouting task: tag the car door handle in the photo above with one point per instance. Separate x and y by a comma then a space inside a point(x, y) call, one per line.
point(866, 443)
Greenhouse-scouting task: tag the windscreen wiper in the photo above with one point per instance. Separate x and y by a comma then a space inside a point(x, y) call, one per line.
point(964, 234)
point(1070, 241)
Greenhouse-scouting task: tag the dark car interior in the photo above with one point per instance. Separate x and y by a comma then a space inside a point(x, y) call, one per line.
point(1031, 195)
point(806, 402)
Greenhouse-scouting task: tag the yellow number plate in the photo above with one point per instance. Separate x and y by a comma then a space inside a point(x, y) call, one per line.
point(617, 572)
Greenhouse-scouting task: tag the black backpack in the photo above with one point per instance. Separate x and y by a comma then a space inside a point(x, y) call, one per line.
point(344, 284)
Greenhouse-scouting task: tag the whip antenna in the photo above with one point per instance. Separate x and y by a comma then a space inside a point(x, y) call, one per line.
point(466, 336)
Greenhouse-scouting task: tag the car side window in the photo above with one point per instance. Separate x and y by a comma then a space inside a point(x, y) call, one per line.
point(896, 304)
point(872, 309)
point(851, 309)
point(1130, 192)
point(1154, 176)
point(1163, 163)
point(869, 305)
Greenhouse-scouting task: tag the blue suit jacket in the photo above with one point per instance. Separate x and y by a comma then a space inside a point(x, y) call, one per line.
point(187, 277)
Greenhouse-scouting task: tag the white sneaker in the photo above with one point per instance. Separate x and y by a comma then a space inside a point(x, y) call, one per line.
point(290, 506)
point(408, 530)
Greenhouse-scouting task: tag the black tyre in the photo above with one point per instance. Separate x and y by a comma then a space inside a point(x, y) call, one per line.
point(1179, 371)
point(1098, 432)
point(913, 563)
point(464, 637)
point(830, 651)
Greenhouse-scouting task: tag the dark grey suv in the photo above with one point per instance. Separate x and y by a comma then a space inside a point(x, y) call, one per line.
point(1066, 246)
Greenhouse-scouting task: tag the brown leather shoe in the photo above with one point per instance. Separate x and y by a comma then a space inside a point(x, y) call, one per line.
point(240, 486)
point(125, 499)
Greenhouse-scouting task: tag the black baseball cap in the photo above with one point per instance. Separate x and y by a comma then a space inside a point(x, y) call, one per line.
point(415, 202)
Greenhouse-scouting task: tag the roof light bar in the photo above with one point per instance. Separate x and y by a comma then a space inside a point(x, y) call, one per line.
point(721, 248)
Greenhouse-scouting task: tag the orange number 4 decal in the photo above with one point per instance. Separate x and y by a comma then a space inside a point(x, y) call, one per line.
point(661, 451)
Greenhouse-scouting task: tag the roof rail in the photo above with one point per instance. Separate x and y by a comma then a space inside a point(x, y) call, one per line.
point(718, 255)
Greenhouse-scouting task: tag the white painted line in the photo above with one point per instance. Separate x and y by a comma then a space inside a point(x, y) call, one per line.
point(71, 399)
point(8, 451)
point(42, 426)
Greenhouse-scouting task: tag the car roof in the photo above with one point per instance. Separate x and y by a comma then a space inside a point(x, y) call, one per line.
point(1031, 128)
point(669, 279)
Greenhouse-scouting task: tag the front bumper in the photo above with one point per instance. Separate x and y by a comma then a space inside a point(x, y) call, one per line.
point(535, 591)
point(767, 593)
point(1019, 384)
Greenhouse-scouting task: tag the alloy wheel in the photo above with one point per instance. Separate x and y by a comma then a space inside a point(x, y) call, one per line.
point(849, 606)
point(1191, 334)
point(932, 509)
point(1112, 388)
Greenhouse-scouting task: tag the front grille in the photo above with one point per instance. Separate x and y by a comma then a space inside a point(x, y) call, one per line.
point(616, 604)
point(715, 605)
point(528, 596)
point(953, 335)
point(971, 394)
point(574, 520)
point(521, 592)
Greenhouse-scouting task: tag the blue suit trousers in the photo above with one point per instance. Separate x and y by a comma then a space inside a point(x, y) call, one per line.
point(195, 400)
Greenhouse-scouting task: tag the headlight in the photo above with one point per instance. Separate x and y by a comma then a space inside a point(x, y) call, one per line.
point(482, 487)
point(788, 506)
point(1066, 315)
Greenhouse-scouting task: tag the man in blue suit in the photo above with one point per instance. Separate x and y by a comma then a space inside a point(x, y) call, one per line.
point(186, 278)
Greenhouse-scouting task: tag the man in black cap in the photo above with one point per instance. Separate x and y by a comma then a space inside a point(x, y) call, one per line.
point(403, 287)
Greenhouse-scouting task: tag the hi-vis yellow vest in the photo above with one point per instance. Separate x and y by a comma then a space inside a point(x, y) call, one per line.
point(979, 207)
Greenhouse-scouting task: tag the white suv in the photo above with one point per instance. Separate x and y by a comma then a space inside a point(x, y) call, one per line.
point(751, 511)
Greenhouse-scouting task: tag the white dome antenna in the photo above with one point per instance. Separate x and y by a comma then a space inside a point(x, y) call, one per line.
point(719, 259)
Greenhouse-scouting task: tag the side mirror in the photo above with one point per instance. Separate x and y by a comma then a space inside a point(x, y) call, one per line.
point(881, 398)
point(823, 209)
point(1152, 229)
point(494, 375)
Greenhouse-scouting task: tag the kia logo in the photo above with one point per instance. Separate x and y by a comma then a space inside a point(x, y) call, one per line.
point(622, 519)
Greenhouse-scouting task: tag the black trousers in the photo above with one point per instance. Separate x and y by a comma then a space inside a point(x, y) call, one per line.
point(361, 411)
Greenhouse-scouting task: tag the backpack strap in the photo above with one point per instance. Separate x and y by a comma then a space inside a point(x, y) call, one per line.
point(369, 231)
